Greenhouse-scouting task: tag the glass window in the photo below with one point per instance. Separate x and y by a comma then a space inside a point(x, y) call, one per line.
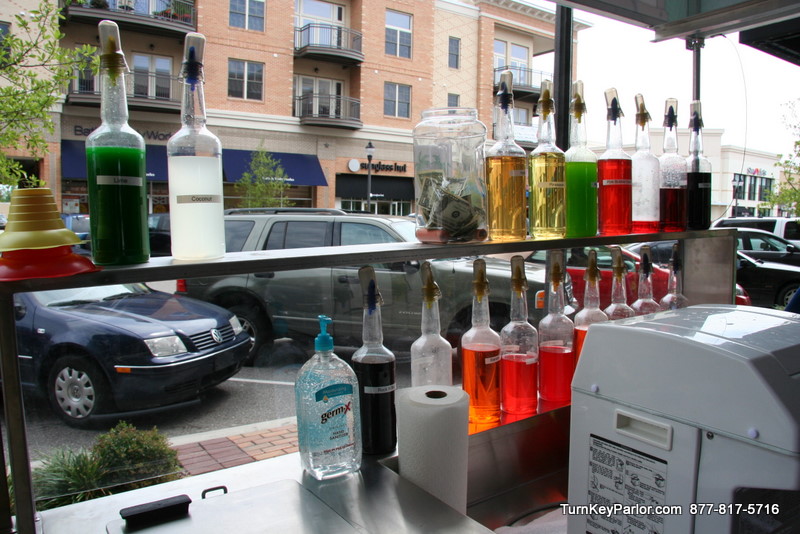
point(248, 14)
point(454, 53)
point(364, 234)
point(298, 234)
point(453, 100)
point(152, 76)
point(397, 100)
point(236, 233)
point(398, 34)
point(791, 231)
point(245, 79)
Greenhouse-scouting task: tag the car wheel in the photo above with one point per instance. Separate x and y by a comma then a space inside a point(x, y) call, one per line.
point(77, 390)
point(786, 293)
point(255, 324)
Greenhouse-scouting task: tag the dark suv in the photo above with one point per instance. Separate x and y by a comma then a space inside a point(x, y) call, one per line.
point(286, 303)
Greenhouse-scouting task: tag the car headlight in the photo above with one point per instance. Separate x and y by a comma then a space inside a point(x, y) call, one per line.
point(165, 346)
point(236, 325)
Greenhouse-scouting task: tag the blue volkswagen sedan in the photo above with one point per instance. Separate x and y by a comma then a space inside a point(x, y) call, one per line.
point(100, 351)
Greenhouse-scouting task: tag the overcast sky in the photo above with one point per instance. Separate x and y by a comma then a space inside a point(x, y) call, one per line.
point(743, 90)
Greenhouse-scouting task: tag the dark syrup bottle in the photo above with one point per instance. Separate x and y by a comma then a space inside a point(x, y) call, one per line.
point(698, 175)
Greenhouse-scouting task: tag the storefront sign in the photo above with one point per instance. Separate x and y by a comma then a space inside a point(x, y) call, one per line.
point(149, 135)
point(385, 167)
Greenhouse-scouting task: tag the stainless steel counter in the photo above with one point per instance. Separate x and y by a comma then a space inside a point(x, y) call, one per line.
point(276, 496)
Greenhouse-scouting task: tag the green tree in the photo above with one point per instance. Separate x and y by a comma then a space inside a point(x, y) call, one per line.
point(787, 191)
point(263, 186)
point(34, 71)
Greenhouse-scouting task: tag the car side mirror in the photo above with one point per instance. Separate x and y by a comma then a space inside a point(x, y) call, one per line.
point(791, 248)
point(408, 267)
point(19, 311)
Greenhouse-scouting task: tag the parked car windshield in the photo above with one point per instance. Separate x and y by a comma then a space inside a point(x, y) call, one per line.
point(764, 242)
point(64, 297)
point(407, 229)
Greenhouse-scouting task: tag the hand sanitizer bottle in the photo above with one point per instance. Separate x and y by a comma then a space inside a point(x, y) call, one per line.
point(328, 420)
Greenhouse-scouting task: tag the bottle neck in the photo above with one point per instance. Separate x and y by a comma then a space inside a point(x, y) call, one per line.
point(555, 299)
point(193, 105)
point(430, 318)
point(519, 306)
point(670, 140)
point(614, 135)
point(645, 286)
point(505, 124)
point(577, 132)
point(643, 138)
point(618, 293)
point(480, 311)
point(695, 145)
point(372, 329)
point(547, 131)
point(113, 98)
point(591, 295)
point(675, 283)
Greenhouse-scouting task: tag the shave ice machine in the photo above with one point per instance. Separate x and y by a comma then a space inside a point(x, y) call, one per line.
point(687, 421)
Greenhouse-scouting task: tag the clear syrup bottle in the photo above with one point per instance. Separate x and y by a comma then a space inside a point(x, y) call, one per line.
point(546, 202)
point(519, 350)
point(645, 303)
point(672, 205)
point(645, 177)
point(619, 308)
point(591, 312)
point(374, 366)
point(614, 203)
point(506, 171)
point(674, 298)
point(431, 354)
point(328, 415)
point(580, 172)
point(698, 175)
point(480, 355)
point(556, 334)
point(194, 161)
point(115, 160)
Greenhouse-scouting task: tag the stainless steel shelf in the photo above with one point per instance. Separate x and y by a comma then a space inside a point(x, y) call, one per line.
point(709, 274)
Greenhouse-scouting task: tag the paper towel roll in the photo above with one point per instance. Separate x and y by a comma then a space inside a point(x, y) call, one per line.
point(432, 441)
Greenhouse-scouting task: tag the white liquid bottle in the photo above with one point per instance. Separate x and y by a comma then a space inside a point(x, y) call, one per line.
point(431, 354)
point(327, 405)
point(194, 162)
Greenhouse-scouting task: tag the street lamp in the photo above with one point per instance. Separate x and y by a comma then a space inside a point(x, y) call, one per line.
point(370, 152)
point(736, 182)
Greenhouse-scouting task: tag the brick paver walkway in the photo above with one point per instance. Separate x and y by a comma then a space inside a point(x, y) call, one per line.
point(219, 453)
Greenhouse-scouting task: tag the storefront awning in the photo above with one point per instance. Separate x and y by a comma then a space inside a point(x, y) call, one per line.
point(302, 169)
point(386, 187)
point(73, 161)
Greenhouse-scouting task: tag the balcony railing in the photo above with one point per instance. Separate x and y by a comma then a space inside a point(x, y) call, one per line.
point(525, 79)
point(161, 15)
point(328, 110)
point(328, 42)
point(145, 90)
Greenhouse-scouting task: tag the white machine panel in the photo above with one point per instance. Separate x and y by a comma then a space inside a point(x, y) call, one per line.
point(672, 413)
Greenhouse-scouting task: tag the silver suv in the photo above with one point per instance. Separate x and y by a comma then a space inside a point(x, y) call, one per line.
point(280, 304)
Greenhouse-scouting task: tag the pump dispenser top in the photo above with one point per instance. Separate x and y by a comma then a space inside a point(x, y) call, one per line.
point(323, 341)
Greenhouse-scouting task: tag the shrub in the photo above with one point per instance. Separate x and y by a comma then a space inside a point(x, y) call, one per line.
point(67, 477)
point(133, 458)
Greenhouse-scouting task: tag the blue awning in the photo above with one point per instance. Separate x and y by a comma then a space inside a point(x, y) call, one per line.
point(302, 169)
point(73, 161)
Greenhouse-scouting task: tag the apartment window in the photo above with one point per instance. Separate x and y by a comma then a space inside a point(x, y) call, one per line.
point(245, 79)
point(398, 34)
point(84, 78)
point(396, 100)
point(318, 97)
point(248, 14)
point(454, 53)
point(152, 76)
point(521, 117)
point(453, 100)
point(513, 57)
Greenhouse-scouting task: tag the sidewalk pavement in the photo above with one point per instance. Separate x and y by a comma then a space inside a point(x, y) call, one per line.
point(206, 452)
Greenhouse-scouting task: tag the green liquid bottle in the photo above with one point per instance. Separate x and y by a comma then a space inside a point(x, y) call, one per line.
point(115, 159)
point(581, 172)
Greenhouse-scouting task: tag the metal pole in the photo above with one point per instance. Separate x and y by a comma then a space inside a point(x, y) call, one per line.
point(369, 183)
point(695, 44)
point(562, 75)
point(15, 419)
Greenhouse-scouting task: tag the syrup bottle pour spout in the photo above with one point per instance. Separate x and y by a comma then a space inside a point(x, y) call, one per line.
point(193, 52)
point(111, 56)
